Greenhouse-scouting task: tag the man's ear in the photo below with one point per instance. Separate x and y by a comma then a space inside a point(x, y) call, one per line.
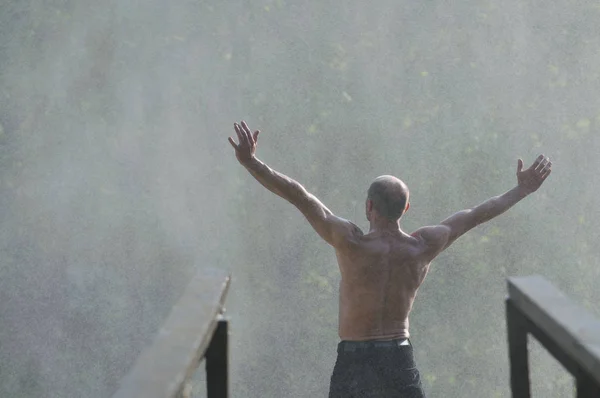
point(407, 207)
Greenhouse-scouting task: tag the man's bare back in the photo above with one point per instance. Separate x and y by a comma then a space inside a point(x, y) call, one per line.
point(381, 273)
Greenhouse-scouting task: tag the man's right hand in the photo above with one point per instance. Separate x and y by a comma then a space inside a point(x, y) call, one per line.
point(531, 179)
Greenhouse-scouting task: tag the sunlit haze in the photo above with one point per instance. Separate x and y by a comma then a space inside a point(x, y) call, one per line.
point(117, 181)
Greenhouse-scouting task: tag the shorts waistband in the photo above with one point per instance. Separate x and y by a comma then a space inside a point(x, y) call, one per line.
point(351, 346)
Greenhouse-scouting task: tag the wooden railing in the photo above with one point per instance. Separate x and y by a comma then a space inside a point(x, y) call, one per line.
point(195, 329)
point(564, 328)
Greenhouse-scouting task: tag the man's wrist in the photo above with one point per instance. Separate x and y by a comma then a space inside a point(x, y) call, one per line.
point(251, 163)
point(522, 192)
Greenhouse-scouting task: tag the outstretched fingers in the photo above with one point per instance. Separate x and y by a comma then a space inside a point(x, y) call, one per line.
point(543, 169)
point(546, 169)
point(247, 131)
point(537, 162)
point(542, 165)
point(546, 174)
point(232, 142)
point(243, 139)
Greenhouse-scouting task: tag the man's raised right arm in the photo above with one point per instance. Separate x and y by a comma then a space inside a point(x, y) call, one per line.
point(444, 234)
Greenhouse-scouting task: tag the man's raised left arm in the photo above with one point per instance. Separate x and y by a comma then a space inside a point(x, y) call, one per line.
point(334, 230)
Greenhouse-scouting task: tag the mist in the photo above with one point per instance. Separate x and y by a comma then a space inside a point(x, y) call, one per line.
point(117, 181)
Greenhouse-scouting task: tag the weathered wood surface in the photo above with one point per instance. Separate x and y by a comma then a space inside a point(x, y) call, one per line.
point(161, 369)
point(574, 329)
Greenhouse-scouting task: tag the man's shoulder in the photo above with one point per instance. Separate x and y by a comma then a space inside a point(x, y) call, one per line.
point(348, 232)
point(432, 235)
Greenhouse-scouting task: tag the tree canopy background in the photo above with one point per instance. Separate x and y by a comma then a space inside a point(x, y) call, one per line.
point(117, 181)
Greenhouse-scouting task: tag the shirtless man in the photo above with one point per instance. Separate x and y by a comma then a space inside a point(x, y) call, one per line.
point(381, 270)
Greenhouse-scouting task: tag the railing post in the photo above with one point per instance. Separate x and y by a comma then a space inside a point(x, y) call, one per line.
point(217, 383)
point(586, 387)
point(517, 351)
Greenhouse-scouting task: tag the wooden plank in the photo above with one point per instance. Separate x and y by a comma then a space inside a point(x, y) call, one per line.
point(573, 329)
point(161, 369)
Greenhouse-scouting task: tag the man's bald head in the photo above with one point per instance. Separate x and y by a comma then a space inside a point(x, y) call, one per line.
point(389, 196)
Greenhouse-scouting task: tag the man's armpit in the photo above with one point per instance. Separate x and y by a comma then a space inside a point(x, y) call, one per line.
point(355, 229)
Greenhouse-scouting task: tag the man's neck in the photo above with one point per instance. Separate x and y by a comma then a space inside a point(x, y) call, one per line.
point(384, 225)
